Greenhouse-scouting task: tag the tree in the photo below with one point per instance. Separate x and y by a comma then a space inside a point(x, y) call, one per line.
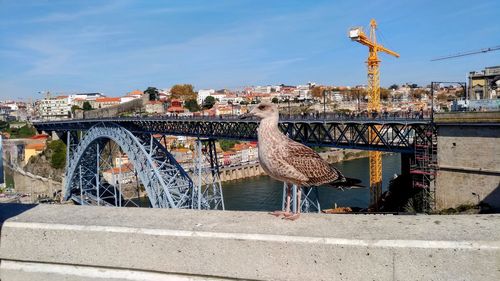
point(87, 106)
point(243, 102)
point(442, 97)
point(153, 93)
point(208, 102)
point(75, 108)
point(192, 105)
point(184, 92)
point(358, 94)
point(384, 93)
point(418, 94)
point(394, 87)
point(274, 100)
point(227, 144)
point(58, 154)
point(26, 131)
point(317, 92)
point(460, 93)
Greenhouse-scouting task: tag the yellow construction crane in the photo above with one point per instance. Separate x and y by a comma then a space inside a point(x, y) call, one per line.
point(357, 34)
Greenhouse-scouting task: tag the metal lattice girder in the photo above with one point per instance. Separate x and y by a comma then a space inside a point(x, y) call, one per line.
point(166, 183)
point(207, 187)
point(393, 135)
point(309, 202)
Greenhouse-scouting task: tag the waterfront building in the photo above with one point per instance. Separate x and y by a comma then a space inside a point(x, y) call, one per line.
point(121, 174)
point(33, 149)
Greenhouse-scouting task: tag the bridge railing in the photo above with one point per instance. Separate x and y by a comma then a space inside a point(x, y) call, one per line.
point(283, 118)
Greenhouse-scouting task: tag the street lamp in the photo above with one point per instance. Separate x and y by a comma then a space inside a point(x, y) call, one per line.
point(324, 104)
point(289, 113)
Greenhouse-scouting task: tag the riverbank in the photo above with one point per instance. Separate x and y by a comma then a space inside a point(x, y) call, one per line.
point(337, 155)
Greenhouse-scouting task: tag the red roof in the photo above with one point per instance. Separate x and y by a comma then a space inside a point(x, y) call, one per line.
point(175, 109)
point(36, 146)
point(106, 99)
point(40, 136)
point(135, 93)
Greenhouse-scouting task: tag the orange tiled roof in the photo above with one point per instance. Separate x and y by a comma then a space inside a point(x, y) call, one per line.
point(175, 109)
point(36, 146)
point(107, 99)
point(128, 167)
point(155, 102)
point(135, 93)
point(40, 136)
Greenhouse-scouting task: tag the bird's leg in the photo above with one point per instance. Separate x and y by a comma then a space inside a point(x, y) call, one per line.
point(285, 212)
point(297, 201)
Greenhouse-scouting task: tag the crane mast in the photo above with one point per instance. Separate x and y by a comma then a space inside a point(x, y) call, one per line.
point(357, 34)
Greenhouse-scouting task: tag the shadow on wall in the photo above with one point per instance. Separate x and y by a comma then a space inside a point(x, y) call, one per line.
point(9, 210)
point(493, 199)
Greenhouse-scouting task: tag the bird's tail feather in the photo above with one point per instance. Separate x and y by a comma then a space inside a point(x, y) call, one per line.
point(344, 182)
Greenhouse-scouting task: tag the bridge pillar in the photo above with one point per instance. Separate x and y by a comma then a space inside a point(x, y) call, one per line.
point(309, 202)
point(207, 187)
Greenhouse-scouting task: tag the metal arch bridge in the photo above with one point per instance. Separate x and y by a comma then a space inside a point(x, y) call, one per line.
point(168, 185)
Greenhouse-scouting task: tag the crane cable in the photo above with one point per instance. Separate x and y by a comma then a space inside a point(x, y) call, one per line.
point(485, 50)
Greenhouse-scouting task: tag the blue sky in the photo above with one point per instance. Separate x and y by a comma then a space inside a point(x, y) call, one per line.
point(118, 46)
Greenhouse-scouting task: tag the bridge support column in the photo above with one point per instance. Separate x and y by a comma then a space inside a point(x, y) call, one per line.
point(309, 202)
point(207, 187)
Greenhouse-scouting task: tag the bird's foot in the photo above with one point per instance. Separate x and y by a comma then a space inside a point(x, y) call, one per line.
point(292, 217)
point(280, 213)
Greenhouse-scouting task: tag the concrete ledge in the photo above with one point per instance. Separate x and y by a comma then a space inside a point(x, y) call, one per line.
point(49, 242)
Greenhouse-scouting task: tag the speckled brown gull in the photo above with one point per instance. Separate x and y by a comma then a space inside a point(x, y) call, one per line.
point(290, 161)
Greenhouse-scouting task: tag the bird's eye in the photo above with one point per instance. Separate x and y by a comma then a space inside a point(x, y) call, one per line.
point(261, 107)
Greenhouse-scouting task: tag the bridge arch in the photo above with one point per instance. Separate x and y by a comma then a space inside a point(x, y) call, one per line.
point(166, 183)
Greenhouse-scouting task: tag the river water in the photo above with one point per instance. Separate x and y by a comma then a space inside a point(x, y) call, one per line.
point(265, 194)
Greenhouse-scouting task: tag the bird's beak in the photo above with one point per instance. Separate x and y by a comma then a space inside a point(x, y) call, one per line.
point(246, 115)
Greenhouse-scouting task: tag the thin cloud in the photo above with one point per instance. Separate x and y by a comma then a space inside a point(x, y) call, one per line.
point(72, 16)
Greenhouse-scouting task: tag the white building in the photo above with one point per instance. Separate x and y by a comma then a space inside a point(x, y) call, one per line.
point(303, 92)
point(203, 94)
point(336, 96)
point(53, 108)
point(83, 96)
point(263, 89)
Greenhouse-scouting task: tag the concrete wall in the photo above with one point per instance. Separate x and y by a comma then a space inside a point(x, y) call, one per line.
point(240, 172)
point(114, 110)
point(468, 160)
point(57, 242)
point(36, 186)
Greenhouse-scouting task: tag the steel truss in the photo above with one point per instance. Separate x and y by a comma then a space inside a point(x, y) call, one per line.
point(207, 191)
point(166, 183)
point(309, 202)
point(389, 135)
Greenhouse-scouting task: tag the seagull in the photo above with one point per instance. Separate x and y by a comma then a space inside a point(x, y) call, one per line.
point(291, 162)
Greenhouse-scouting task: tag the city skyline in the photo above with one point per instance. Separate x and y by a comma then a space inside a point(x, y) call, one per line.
point(117, 46)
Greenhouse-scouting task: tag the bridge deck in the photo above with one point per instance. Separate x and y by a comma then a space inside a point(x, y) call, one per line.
point(394, 134)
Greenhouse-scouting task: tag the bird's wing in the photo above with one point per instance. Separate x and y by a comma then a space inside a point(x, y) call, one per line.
point(309, 163)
